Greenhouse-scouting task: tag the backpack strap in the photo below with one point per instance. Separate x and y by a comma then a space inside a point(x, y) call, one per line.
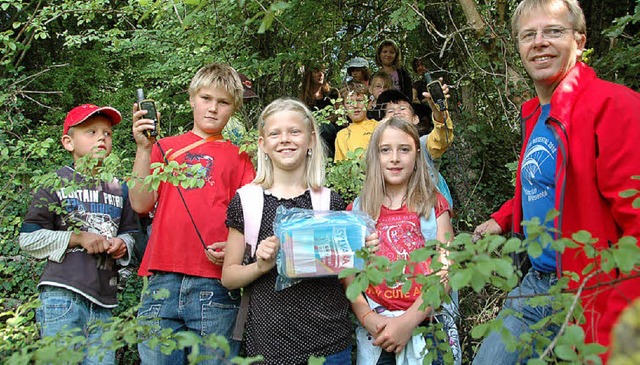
point(436, 176)
point(429, 226)
point(356, 204)
point(321, 198)
point(252, 199)
point(250, 194)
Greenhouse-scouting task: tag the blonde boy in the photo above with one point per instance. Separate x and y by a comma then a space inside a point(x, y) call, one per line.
point(187, 220)
point(358, 133)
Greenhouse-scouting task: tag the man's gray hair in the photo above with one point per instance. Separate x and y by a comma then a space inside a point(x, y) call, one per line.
point(528, 7)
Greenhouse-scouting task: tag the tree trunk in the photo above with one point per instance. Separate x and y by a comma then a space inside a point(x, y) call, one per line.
point(502, 6)
point(473, 17)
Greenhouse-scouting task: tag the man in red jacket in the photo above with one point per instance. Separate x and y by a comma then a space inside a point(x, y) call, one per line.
point(579, 153)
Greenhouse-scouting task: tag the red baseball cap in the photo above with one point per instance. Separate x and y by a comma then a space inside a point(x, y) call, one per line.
point(80, 113)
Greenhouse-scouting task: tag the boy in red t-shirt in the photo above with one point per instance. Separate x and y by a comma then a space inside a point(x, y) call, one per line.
point(188, 220)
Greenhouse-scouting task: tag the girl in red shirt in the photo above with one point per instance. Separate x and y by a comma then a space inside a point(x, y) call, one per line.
point(399, 194)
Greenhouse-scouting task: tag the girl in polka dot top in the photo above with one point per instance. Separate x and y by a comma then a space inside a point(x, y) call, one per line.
point(310, 318)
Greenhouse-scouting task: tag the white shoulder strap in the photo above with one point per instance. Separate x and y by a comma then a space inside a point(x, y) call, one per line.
point(321, 198)
point(252, 199)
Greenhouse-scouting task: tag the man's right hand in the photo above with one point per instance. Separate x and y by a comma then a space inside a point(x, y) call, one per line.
point(488, 227)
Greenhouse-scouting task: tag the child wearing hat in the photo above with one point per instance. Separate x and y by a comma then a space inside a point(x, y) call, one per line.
point(83, 229)
point(358, 70)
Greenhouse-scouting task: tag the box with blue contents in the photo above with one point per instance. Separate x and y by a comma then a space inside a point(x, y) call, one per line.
point(319, 243)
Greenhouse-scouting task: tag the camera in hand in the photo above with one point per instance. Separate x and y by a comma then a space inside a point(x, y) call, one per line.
point(435, 90)
point(150, 106)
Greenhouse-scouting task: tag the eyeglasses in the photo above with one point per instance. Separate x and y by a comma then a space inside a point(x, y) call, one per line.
point(396, 110)
point(547, 33)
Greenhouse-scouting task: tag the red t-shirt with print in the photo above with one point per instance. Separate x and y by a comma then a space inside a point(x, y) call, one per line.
point(399, 234)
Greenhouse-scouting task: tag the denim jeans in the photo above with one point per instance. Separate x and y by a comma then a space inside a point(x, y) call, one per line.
point(339, 358)
point(199, 305)
point(492, 350)
point(63, 310)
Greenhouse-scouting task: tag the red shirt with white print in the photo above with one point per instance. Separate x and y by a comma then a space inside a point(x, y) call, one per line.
point(399, 234)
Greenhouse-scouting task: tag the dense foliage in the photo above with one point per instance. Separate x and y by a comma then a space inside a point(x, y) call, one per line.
point(59, 54)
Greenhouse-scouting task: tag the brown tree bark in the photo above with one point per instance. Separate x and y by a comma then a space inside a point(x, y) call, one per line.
point(473, 17)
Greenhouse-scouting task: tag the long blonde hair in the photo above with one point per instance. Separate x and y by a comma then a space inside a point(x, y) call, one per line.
point(314, 169)
point(421, 191)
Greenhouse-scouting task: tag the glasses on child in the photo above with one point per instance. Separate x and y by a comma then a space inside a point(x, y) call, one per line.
point(547, 33)
point(396, 110)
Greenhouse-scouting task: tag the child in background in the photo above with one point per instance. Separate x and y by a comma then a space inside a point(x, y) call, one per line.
point(186, 220)
point(316, 93)
point(420, 86)
point(399, 194)
point(440, 137)
point(312, 316)
point(389, 59)
point(358, 70)
point(357, 134)
point(84, 234)
point(380, 82)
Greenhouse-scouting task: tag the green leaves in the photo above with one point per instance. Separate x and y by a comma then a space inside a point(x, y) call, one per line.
point(347, 177)
point(572, 348)
point(461, 279)
point(181, 175)
point(626, 254)
point(629, 193)
point(268, 16)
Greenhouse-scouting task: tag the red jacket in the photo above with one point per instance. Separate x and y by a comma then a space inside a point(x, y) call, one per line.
point(597, 126)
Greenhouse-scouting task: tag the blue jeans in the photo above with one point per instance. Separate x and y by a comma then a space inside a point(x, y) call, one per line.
point(199, 305)
point(63, 310)
point(493, 351)
point(339, 358)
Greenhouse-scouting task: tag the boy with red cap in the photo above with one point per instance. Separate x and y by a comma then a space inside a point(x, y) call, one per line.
point(83, 229)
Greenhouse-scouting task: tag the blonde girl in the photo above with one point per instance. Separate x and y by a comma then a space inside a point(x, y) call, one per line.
point(399, 194)
point(312, 316)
